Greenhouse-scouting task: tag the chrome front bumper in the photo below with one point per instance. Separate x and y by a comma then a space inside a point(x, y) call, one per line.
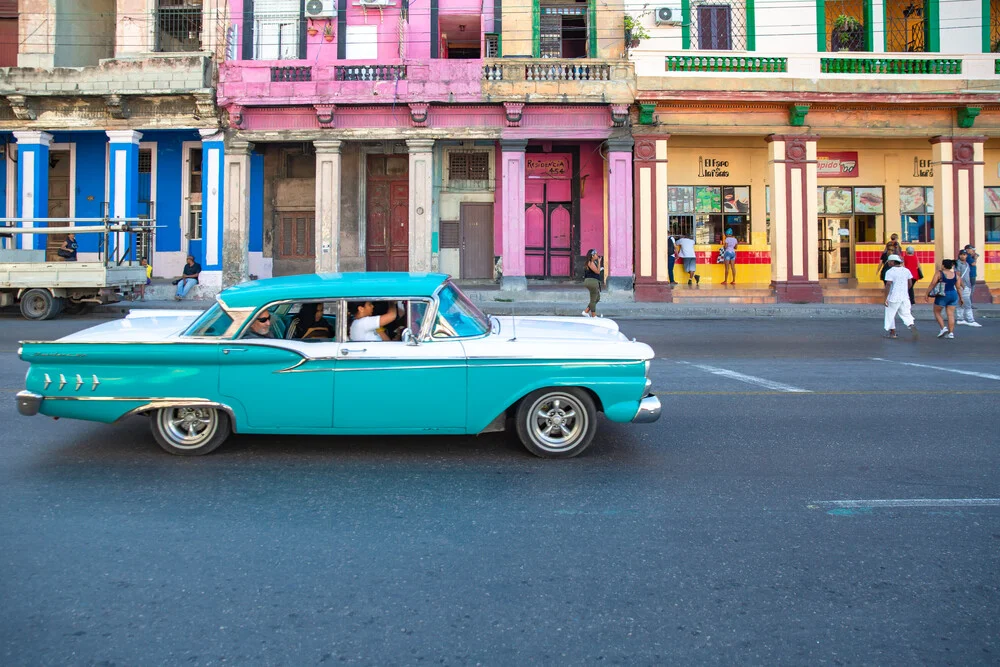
point(649, 411)
point(28, 403)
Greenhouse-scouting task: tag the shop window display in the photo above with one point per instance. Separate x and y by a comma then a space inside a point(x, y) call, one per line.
point(706, 212)
point(992, 209)
point(916, 208)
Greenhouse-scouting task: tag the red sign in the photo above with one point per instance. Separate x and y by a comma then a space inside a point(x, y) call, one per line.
point(836, 164)
point(547, 166)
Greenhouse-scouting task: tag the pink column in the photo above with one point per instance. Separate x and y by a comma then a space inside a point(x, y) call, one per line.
point(620, 275)
point(512, 156)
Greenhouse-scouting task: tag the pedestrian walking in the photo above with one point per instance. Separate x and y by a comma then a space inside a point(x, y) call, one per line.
point(897, 283)
point(729, 255)
point(592, 281)
point(964, 314)
point(945, 288)
point(671, 260)
point(685, 252)
point(892, 247)
point(973, 261)
point(912, 265)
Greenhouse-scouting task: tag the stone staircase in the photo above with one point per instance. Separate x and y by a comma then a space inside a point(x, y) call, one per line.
point(163, 289)
point(749, 293)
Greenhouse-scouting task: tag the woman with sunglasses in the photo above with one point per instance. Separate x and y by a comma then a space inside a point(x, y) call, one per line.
point(260, 327)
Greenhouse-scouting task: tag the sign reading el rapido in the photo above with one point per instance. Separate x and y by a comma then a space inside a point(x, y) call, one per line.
point(840, 164)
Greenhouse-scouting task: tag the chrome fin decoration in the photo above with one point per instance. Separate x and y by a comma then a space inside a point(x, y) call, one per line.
point(48, 381)
point(96, 382)
point(79, 382)
point(62, 381)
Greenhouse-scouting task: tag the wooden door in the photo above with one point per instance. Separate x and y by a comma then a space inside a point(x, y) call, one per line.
point(387, 226)
point(548, 231)
point(295, 235)
point(476, 222)
point(58, 201)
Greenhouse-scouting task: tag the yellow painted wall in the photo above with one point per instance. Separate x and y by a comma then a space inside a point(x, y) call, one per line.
point(518, 32)
point(518, 36)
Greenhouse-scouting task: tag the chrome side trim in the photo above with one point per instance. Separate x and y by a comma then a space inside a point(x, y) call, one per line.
point(649, 411)
point(28, 403)
point(156, 404)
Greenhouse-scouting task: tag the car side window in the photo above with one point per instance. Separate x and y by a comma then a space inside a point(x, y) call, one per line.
point(213, 322)
point(313, 321)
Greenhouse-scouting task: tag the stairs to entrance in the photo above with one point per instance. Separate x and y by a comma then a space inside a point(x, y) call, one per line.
point(749, 293)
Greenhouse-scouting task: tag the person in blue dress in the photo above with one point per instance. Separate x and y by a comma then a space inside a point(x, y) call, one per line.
point(952, 296)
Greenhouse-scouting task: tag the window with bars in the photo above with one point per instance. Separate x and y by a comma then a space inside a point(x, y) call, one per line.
point(492, 42)
point(178, 25)
point(845, 25)
point(563, 30)
point(469, 170)
point(906, 26)
point(718, 25)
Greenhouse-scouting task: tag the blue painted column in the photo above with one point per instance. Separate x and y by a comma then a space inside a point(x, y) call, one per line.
point(123, 177)
point(212, 182)
point(32, 183)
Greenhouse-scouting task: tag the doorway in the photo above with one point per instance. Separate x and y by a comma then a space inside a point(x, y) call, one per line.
point(476, 223)
point(836, 247)
point(60, 174)
point(294, 243)
point(387, 228)
point(548, 229)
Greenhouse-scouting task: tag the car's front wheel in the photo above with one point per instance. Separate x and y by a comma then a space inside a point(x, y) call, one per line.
point(190, 430)
point(556, 422)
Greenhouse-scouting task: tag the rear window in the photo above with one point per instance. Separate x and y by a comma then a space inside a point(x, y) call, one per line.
point(214, 322)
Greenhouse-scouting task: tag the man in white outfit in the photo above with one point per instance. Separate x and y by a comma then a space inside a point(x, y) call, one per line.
point(897, 297)
point(963, 313)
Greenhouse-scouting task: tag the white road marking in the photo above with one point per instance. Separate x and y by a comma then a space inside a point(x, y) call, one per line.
point(750, 379)
point(987, 376)
point(910, 502)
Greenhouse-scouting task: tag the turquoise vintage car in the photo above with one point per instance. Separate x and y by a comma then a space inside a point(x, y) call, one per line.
point(262, 360)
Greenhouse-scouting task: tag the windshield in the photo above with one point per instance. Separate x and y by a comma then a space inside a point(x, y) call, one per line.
point(458, 316)
point(214, 322)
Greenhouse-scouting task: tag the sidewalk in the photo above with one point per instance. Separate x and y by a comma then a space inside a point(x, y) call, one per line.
point(629, 309)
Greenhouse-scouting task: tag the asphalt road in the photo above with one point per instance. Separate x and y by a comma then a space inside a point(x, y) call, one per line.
point(710, 537)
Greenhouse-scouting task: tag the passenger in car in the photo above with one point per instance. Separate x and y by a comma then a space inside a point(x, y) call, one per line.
point(365, 325)
point(311, 324)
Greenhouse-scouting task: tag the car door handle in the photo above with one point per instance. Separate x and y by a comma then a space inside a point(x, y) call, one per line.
point(345, 351)
point(233, 349)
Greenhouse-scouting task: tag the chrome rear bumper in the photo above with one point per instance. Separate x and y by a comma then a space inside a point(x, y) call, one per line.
point(649, 411)
point(28, 403)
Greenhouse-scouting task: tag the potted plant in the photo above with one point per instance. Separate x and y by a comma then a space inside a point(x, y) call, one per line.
point(848, 34)
point(312, 30)
point(634, 32)
point(328, 32)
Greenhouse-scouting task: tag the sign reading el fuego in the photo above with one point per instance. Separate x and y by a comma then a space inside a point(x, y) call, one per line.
point(836, 164)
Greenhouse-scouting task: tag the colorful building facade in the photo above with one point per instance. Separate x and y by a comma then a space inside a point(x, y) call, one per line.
point(110, 112)
point(488, 141)
point(815, 138)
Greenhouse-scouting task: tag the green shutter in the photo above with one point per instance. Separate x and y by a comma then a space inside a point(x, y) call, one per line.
point(987, 18)
point(870, 26)
point(536, 45)
point(592, 25)
point(932, 13)
point(821, 25)
point(751, 27)
point(686, 24)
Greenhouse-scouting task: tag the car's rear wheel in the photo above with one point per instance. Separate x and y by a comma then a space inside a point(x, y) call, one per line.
point(190, 430)
point(556, 423)
point(39, 304)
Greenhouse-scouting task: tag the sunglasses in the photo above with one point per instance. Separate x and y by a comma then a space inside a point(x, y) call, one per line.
point(266, 318)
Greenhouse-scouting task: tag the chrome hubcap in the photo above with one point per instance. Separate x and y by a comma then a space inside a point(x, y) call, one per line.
point(187, 427)
point(557, 421)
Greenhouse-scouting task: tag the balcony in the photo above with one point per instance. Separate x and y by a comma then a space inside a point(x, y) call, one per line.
point(295, 82)
point(557, 80)
point(159, 74)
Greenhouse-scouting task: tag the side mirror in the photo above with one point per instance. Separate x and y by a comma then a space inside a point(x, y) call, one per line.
point(409, 338)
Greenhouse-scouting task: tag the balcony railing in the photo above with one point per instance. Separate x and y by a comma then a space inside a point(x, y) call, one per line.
point(725, 64)
point(369, 72)
point(291, 73)
point(890, 66)
point(567, 71)
point(601, 80)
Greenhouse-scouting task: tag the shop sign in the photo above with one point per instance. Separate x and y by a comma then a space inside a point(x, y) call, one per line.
point(709, 167)
point(547, 166)
point(836, 164)
point(923, 168)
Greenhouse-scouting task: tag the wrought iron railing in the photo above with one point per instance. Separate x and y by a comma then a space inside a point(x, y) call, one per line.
point(369, 72)
point(178, 28)
point(291, 73)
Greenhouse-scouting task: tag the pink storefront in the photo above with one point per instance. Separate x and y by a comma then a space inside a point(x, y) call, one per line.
point(376, 138)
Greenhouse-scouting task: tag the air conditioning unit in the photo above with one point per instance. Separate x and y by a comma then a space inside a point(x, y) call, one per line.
point(376, 3)
point(668, 16)
point(321, 9)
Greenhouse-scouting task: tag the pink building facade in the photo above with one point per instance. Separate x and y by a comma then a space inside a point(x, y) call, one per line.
point(381, 136)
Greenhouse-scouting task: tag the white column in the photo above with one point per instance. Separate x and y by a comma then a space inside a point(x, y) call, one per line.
point(32, 180)
point(421, 201)
point(236, 214)
point(327, 235)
